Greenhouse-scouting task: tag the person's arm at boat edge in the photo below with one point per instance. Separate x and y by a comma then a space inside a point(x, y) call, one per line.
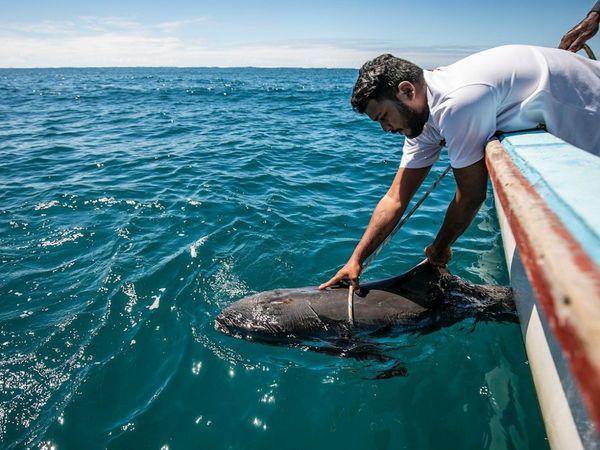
point(385, 216)
point(574, 39)
point(469, 122)
point(471, 187)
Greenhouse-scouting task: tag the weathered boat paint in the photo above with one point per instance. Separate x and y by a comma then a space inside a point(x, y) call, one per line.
point(552, 251)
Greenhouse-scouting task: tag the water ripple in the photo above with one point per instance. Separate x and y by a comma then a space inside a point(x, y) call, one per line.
point(137, 203)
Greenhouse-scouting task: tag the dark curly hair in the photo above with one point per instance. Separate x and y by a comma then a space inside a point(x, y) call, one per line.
point(379, 78)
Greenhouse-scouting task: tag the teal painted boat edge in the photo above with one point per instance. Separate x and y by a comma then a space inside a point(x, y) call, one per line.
point(568, 421)
point(566, 177)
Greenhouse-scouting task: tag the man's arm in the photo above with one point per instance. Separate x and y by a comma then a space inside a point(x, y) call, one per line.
point(574, 39)
point(471, 186)
point(385, 216)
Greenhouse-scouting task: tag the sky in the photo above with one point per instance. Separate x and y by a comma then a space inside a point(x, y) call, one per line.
point(236, 33)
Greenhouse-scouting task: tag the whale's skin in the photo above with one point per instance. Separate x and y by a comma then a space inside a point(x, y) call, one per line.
point(422, 299)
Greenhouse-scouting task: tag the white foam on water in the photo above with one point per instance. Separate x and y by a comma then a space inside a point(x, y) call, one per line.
point(64, 236)
point(258, 423)
point(195, 245)
point(129, 290)
point(227, 282)
point(45, 205)
point(102, 200)
point(156, 302)
point(196, 367)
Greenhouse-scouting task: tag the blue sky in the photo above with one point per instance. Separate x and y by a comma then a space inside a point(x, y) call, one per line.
point(280, 33)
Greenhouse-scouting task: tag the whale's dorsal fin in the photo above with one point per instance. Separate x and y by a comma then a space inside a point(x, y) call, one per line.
point(419, 276)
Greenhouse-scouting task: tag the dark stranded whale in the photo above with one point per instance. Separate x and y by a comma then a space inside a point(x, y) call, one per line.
point(422, 299)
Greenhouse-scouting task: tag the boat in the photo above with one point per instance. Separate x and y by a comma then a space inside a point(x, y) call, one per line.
point(547, 196)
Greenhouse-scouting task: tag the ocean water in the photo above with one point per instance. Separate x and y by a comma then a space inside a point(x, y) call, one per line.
point(137, 203)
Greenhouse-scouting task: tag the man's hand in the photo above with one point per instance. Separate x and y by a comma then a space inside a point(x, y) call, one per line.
point(574, 39)
point(438, 257)
point(351, 271)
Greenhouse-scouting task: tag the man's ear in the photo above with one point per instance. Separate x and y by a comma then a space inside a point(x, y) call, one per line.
point(406, 91)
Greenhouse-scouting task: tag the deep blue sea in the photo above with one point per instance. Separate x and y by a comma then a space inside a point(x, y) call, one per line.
point(136, 203)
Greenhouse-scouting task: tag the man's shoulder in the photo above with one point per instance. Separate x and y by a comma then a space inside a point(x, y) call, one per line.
point(469, 98)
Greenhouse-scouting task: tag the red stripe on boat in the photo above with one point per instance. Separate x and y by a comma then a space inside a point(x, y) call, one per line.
point(585, 371)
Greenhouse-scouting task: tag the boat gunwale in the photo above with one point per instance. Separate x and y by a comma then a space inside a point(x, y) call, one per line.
point(564, 278)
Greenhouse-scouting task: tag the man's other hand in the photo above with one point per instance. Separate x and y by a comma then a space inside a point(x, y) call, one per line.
point(438, 257)
point(574, 39)
point(351, 271)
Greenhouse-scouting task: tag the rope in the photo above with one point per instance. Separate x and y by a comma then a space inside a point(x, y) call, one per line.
point(589, 52)
point(351, 304)
point(399, 225)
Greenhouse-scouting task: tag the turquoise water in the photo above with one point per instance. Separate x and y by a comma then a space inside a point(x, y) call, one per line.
point(137, 203)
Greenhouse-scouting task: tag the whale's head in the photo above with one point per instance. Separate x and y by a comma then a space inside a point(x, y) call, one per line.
point(272, 315)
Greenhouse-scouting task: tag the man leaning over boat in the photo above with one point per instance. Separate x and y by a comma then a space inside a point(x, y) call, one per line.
point(462, 106)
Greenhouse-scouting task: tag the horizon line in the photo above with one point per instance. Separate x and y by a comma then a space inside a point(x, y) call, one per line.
point(177, 67)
